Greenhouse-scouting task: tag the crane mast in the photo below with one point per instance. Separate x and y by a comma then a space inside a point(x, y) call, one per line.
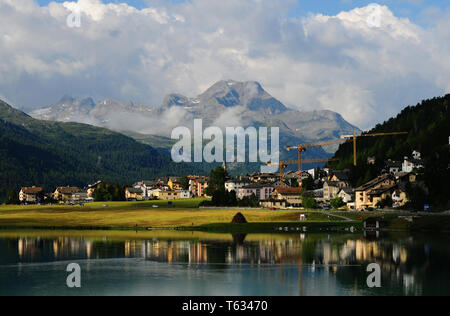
point(284, 164)
point(354, 137)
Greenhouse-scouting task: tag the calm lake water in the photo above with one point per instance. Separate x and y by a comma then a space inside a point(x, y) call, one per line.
point(192, 263)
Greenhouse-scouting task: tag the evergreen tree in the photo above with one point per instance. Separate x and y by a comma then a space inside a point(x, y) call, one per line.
point(216, 188)
point(184, 181)
point(308, 183)
point(12, 197)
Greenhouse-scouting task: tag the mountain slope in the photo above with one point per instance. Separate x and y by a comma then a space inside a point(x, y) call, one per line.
point(34, 152)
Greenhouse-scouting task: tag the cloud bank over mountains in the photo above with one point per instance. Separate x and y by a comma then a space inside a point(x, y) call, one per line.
point(345, 63)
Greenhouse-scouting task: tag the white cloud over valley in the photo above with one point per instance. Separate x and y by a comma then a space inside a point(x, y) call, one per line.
point(342, 63)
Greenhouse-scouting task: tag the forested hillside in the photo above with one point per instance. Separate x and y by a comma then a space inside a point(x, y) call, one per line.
point(428, 127)
point(48, 154)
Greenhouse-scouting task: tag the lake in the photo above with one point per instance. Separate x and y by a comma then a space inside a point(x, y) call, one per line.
point(34, 262)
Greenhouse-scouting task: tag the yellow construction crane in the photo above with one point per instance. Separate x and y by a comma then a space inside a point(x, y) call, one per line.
point(284, 164)
point(302, 148)
point(354, 137)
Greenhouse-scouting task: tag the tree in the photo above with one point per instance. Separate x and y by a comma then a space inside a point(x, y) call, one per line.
point(109, 192)
point(308, 183)
point(216, 181)
point(293, 183)
point(216, 187)
point(119, 194)
point(386, 202)
point(232, 199)
point(12, 197)
point(337, 202)
point(249, 201)
point(309, 201)
point(417, 197)
point(184, 181)
point(320, 173)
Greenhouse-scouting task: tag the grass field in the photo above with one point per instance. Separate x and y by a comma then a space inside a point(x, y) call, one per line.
point(140, 215)
point(186, 215)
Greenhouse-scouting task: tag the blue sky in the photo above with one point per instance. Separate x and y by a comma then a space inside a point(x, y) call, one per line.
point(412, 9)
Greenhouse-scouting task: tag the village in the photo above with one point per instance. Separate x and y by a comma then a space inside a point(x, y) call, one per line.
point(271, 190)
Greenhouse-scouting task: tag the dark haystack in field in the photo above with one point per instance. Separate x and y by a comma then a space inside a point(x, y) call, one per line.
point(239, 219)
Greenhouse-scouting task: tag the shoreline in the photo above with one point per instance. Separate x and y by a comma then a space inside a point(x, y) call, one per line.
point(254, 227)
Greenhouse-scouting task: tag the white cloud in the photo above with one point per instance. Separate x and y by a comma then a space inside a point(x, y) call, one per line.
point(340, 62)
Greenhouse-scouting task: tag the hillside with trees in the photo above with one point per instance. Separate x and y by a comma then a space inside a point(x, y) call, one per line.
point(428, 127)
point(50, 154)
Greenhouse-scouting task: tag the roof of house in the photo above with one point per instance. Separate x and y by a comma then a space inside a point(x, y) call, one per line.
point(342, 175)
point(197, 177)
point(289, 191)
point(381, 190)
point(90, 186)
point(374, 182)
point(135, 190)
point(258, 186)
point(68, 190)
point(393, 164)
point(244, 180)
point(263, 175)
point(147, 183)
point(417, 162)
point(332, 183)
point(402, 174)
point(80, 194)
point(347, 190)
point(31, 190)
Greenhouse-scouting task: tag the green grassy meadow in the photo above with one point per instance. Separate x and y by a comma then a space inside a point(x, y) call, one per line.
point(186, 215)
point(141, 215)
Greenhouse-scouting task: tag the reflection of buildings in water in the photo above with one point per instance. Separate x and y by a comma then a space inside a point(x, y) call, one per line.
point(20, 248)
point(59, 248)
point(88, 249)
point(167, 251)
point(392, 258)
point(359, 251)
point(298, 250)
point(263, 252)
point(198, 253)
point(411, 285)
point(267, 252)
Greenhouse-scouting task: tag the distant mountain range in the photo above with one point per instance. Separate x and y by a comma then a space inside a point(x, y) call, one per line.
point(226, 103)
point(50, 154)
